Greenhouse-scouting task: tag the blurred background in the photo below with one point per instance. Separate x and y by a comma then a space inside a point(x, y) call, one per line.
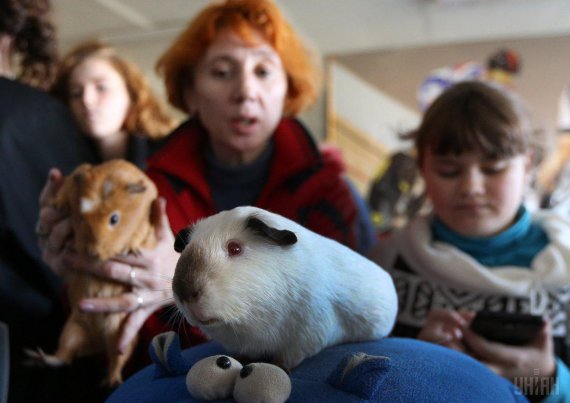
point(379, 56)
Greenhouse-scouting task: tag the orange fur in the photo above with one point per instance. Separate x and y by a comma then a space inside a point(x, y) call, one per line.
point(114, 187)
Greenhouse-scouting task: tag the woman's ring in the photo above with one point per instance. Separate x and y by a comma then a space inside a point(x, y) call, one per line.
point(132, 275)
point(140, 300)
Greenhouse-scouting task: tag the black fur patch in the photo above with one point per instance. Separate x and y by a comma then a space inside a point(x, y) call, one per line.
point(182, 239)
point(281, 237)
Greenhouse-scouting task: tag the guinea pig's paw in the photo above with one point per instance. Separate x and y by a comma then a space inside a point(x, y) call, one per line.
point(39, 358)
point(213, 377)
point(262, 382)
point(360, 374)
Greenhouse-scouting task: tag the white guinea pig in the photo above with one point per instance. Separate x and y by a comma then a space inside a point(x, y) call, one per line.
point(264, 286)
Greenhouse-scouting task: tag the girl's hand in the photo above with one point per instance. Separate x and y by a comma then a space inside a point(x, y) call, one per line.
point(445, 327)
point(534, 359)
point(149, 274)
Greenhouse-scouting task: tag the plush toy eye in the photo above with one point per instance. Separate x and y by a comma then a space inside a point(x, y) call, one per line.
point(246, 371)
point(213, 378)
point(234, 248)
point(252, 384)
point(114, 219)
point(224, 362)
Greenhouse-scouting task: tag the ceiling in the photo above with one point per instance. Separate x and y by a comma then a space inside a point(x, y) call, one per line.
point(333, 27)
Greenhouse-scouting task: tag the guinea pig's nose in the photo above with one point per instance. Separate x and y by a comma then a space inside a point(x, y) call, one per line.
point(185, 289)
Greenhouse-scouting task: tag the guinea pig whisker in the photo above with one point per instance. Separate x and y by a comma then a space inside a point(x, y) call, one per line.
point(174, 316)
point(165, 301)
point(162, 290)
point(162, 276)
point(169, 299)
point(181, 322)
point(172, 310)
point(158, 276)
point(181, 326)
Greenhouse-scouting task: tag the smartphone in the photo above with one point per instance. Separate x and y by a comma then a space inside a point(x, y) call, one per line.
point(507, 328)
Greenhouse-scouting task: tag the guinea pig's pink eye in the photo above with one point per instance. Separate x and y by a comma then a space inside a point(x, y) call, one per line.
point(234, 248)
point(114, 219)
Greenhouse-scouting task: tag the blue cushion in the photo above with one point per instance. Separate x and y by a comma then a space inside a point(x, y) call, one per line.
point(404, 370)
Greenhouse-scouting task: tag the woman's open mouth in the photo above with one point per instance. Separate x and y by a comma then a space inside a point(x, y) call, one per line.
point(243, 124)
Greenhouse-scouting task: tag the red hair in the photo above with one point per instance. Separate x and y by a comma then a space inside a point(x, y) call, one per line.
point(178, 63)
point(146, 116)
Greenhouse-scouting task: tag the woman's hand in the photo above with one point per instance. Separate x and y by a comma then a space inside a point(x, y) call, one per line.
point(534, 359)
point(445, 327)
point(53, 227)
point(148, 273)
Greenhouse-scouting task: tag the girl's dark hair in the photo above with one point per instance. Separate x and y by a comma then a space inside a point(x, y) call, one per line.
point(474, 115)
point(29, 23)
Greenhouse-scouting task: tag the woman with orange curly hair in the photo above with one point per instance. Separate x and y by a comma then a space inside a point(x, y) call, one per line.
point(112, 102)
point(242, 75)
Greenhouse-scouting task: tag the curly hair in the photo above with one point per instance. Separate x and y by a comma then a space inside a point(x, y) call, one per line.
point(146, 115)
point(178, 63)
point(29, 23)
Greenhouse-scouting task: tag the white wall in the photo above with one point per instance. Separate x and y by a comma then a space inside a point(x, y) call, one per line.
point(368, 109)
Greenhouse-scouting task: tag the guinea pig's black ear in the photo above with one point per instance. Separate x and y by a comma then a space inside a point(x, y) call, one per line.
point(281, 237)
point(182, 239)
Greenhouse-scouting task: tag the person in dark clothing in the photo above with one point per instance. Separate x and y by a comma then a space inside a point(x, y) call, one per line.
point(36, 133)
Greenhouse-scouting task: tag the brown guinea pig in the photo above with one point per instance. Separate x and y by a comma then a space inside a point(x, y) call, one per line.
point(110, 209)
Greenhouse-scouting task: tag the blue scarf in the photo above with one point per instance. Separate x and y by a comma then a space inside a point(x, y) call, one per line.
point(515, 246)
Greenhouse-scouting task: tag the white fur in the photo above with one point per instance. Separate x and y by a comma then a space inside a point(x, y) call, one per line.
point(88, 205)
point(288, 302)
